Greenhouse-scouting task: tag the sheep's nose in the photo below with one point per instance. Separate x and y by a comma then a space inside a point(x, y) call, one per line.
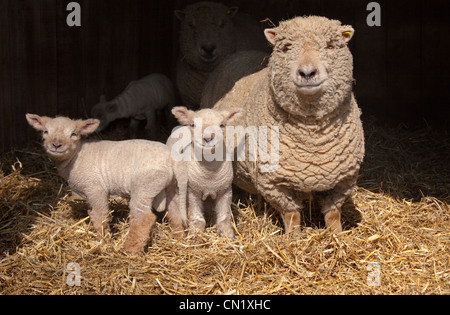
point(307, 73)
point(208, 49)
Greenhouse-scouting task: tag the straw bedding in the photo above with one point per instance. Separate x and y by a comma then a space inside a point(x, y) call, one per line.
point(399, 217)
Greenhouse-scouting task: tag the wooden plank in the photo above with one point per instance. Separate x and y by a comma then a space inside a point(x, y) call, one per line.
point(70, 60)
point(403, 60)
point(5, 76)
point(435, 63)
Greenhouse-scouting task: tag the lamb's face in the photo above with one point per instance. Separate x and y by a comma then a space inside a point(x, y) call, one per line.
point(61, 136)
point(207, 34)
point(106, 112)
point(311, 64)
point(207, 126)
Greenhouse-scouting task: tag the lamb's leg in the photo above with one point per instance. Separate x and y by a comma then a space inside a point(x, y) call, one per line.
point(142, 220)
point(173, 212)
point(331, 203)
point(197, 221)
point(223, 215)
point(99, 214)
point(152, 128)
point(134, 127)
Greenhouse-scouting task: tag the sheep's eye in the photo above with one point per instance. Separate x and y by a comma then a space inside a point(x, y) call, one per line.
point(286, 47)
point(191, 24)
point(221, 23)
point(45, 132)
point(74, 135)
point(222, 126)
point(330, 46)
point(192, 125)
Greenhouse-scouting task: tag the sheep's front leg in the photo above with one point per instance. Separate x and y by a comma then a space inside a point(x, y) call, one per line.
point(284, 202)
point(331, 203)
point(223, 215)
point(197, 221)
point(142, 220)
point(99, 213)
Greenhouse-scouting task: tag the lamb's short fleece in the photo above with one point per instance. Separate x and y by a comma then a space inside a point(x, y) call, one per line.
point(96, 170)
point(209, 173)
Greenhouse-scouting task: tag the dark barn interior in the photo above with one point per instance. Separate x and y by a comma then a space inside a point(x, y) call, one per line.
point(396, 222)
point(47, 67)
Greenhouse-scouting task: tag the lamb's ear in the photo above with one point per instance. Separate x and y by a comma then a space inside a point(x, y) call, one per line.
point(180, 15)
point(88, 126)
point(231, 115)
point(232, 11)
point(270, 35)
point(183, 115)
point(347, 32)
point(36, 121)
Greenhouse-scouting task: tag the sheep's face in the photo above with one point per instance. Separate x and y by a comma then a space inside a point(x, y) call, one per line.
point(61, 135)
point(106, 112)
point(207, 126)
point(207, 34)
point(312, 67)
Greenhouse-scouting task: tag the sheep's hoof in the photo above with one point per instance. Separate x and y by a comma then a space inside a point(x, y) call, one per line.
point(291, 221)
point(133, 251)
point(333, 221)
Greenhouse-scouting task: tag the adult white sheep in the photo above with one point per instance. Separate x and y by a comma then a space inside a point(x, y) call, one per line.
point(208, 33)
point(139, 101)
point(307, 93)
point(201, 154)
point(96, 170)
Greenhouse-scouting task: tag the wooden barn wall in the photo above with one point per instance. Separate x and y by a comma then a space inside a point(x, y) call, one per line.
point(401, 68)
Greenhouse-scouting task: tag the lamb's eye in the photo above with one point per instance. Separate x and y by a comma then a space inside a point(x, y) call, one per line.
point(330, 46)
point(45, 132)
point(222, 126)
point(221, 23)
point(74, 135)
point(192, 125)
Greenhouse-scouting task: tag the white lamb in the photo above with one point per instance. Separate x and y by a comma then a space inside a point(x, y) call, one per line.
point(209, 173)
point(96, 170)
point(139, 101)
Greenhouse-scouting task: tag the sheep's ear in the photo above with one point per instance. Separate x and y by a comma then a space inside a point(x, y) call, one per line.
point(347, 32)
point(183, 115)
point(36, 121)
point(88, 126)
point(232, 11)
point(102, 98)
point(270, 35)
point(180, 15)
point(230, 116)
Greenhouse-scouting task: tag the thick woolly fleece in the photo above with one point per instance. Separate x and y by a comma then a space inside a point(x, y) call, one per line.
point(321, 140)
